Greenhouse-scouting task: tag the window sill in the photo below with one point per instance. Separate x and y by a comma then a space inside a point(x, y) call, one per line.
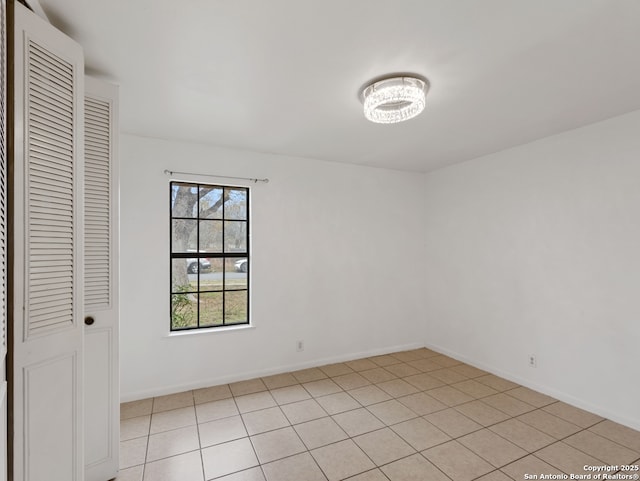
point(213, 330)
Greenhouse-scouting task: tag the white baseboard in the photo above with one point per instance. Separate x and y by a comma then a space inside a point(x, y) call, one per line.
point(164, 390)
point(559, 395)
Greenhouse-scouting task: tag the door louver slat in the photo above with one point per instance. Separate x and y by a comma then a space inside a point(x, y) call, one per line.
point(97, 197)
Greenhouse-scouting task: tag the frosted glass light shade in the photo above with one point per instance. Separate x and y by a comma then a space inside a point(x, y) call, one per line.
point(394, 99)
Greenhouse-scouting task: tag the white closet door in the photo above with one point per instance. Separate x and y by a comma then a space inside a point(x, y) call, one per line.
point(102, 394)
point(48, 75)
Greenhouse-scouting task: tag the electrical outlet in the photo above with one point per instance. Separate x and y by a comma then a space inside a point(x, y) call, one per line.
point(300, 346)
point(533, 361)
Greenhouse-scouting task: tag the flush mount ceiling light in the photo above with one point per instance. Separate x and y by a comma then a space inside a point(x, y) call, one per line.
point(394, 99)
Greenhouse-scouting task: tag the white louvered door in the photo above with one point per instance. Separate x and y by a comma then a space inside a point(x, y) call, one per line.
point(47, 239)
point(102, 396)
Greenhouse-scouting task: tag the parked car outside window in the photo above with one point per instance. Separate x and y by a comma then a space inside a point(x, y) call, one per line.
point(194, 268)
point(241, 265)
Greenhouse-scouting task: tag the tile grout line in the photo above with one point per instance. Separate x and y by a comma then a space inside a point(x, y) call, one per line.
point(144, 465)
point(195, 413)
point(255, 453)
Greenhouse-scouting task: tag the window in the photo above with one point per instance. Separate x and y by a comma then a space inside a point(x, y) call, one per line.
point(209, 256)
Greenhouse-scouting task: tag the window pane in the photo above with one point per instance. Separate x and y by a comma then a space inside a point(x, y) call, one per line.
point(181, 279)
point(184, 200)
point(235, 206)
point(184, 235)
point(235, 236)
point(212, 280)
point(235, 273)
point(210, 236)
point(210, 202)
point(184, 311)
point(235, 307)
point(211, 309)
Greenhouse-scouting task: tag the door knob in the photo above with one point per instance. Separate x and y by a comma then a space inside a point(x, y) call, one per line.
point(89, 320)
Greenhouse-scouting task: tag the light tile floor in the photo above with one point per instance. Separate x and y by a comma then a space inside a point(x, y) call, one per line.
point(408, 416)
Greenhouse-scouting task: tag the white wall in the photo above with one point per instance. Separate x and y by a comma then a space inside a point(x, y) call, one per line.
point(336, 262)
point(536, 250)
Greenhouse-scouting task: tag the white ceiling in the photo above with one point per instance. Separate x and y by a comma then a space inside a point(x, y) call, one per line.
point(283, 76)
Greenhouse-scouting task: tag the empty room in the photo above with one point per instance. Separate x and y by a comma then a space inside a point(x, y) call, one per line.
point(319, 241)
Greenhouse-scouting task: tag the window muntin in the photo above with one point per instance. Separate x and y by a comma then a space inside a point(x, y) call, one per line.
point(209, 255)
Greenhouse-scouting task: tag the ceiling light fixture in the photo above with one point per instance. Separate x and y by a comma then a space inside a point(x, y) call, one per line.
point(394, 99)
